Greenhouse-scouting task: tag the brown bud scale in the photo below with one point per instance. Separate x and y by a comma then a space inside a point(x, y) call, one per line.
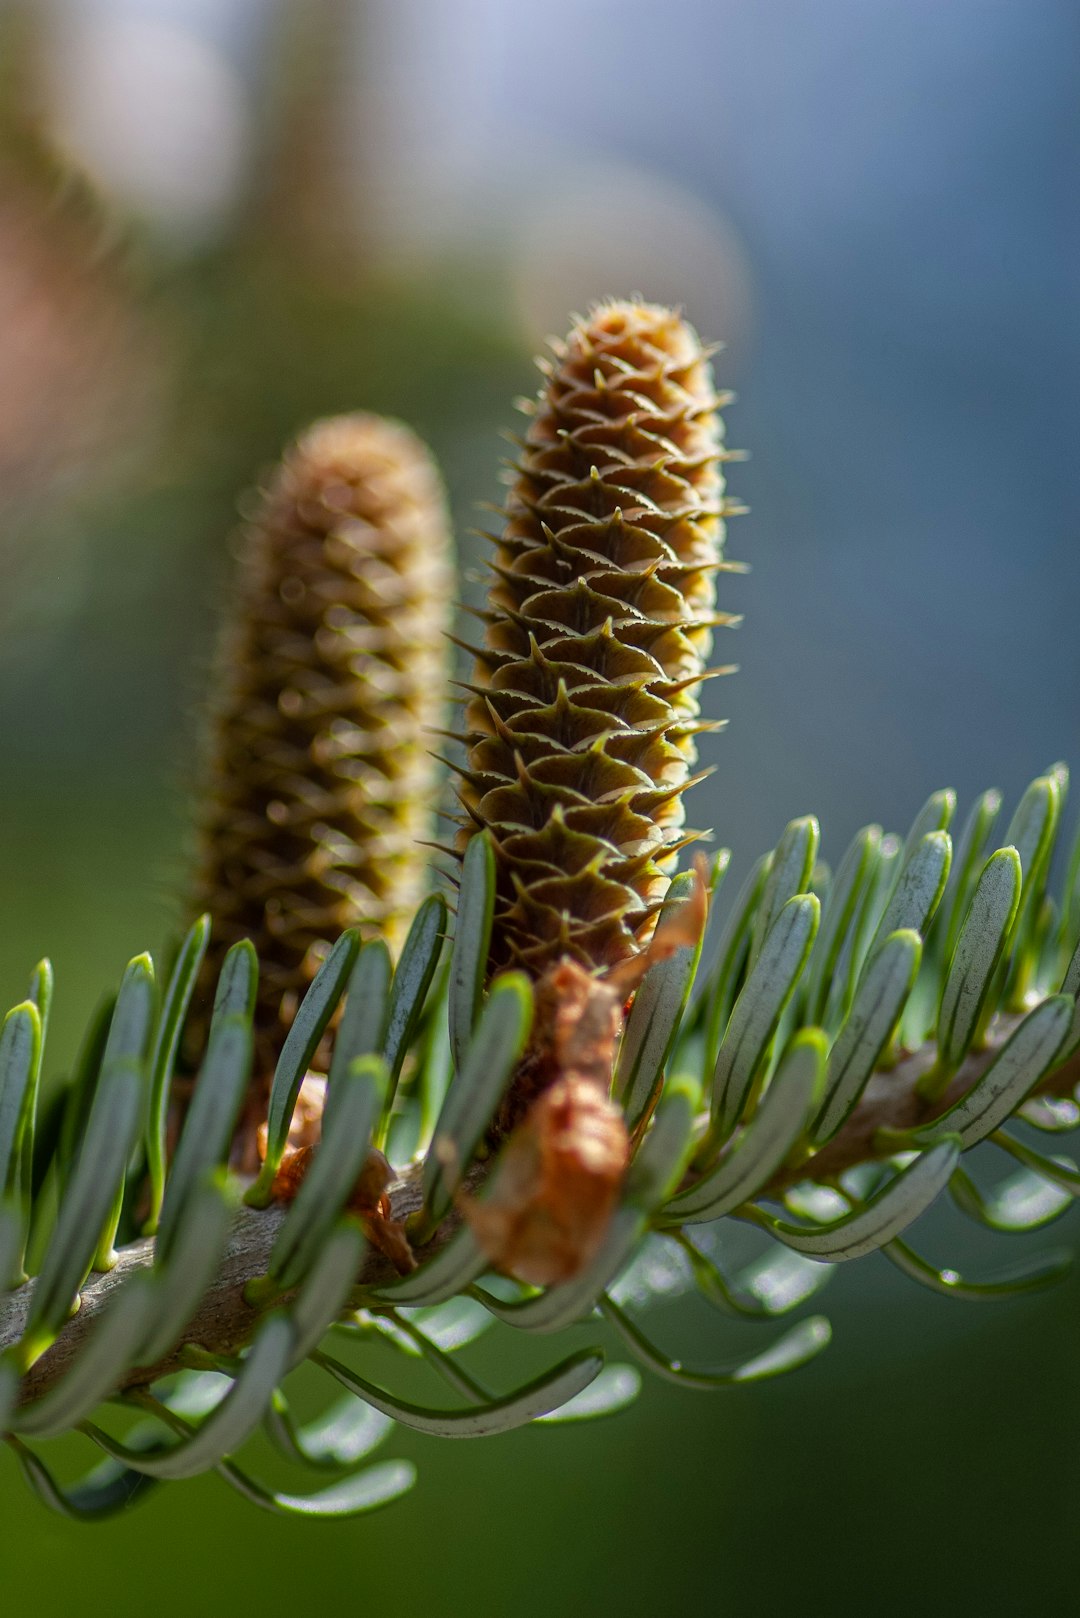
point(557, 1185)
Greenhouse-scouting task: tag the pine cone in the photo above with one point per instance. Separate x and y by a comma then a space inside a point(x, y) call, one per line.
point(584, 711)
point(321, 784)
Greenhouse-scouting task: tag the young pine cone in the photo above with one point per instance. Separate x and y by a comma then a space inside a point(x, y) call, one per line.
point(584, 701)
point(322, 786)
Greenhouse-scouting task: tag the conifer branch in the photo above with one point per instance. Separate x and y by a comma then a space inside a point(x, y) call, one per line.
point(224, 1322)
point(820, 1078)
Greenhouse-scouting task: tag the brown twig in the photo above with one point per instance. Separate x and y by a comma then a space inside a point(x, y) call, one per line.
point(891, 1100)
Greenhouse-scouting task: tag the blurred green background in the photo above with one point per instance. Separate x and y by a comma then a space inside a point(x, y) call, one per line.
point(305, 206)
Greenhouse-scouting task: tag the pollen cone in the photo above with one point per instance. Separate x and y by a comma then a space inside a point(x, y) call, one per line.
point(584, 700)
point(321, 785)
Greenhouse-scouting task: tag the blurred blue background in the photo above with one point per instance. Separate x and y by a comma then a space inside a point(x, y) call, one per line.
point(317, 205)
